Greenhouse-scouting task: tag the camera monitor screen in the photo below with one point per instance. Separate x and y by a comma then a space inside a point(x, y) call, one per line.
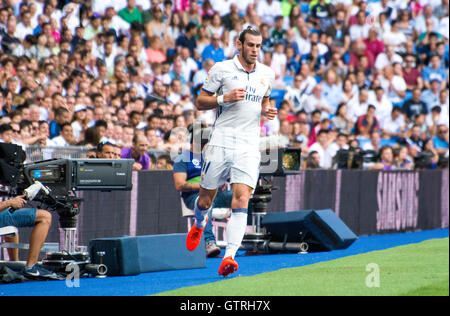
point(291, 160)
point(280, 161)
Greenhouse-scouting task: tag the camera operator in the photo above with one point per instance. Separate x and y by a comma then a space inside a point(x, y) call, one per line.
point(14, 213)
point(108, 151)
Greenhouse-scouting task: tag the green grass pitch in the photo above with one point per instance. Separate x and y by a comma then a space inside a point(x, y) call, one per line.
point(412, 270)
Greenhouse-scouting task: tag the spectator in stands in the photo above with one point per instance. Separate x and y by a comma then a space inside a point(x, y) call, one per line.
point(6, 133)
point(312, 161)
point(75, 61)
point(65, 138)
point(393, 85)
point(322, 147)
point(394, 126)
point(268, 10)
point(415, 105)
point(332, 89)
point(411, 74)
point(338, 32)
point(388, 58)
point(367, 123)
point(317, 101)
point(214, 51)
point(383, 105)
point(188, 38)
point(428, 157)
point(341, 122)
point(138, 152)
point(62, 116)
point(433, 120)
point(373, 44)
point(386, 159)
point(394, 37)
point(431, 96)
point(360, 30)
point(402, 159)
point(434, 71)
point(296, 93)
point(130, 13)
point(440, 141)
point(357, 106)
point(9, 39)
point(164, 162)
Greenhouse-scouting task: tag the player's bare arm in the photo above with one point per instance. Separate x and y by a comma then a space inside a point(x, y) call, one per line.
point(207, 101)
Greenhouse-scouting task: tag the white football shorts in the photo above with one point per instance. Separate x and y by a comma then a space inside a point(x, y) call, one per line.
point(221, 164)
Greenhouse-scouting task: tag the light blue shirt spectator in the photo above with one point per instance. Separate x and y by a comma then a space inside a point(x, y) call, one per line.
point(333, 95)
point(213, 50)
point(428, 74)
point(431, 96)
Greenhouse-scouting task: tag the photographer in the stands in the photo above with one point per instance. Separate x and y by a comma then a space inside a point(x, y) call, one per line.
point(14, 213)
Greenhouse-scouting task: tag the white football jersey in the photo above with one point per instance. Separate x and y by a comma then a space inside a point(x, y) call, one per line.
point(237, 125)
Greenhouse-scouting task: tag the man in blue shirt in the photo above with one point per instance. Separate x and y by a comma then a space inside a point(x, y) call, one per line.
point(62, 115)
point(434, 71)
point(431, 96)
point(440, 141)
point(186, 174)
point(213, 50)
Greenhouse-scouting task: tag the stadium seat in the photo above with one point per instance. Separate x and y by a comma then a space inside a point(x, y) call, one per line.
point(288, 80)
point(8, 231)
point(220, 216)
point(278, 95)
point(217, 213)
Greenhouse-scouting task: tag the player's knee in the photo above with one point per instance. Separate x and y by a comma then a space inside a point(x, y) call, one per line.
point(240, 201)
point(204, 203)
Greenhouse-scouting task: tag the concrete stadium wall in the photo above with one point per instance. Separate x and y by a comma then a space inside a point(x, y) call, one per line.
point(369, 202)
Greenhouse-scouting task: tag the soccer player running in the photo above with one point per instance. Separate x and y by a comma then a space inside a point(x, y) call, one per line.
point(239, 89)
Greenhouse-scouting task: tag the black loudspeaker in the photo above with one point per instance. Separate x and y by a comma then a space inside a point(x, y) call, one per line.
point(320, 230)
point(120, 255)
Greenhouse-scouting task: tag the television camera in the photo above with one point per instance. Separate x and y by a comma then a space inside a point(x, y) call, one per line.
point(52, 185)
point(275, 162)
point(354, 158)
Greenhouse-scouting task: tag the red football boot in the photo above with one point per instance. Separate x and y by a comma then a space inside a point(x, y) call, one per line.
point(195, 236)
point(228, 266)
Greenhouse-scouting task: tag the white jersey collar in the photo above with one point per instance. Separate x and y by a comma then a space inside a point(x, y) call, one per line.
point(239, 65)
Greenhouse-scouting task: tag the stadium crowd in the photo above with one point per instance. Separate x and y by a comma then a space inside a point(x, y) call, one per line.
point(350, 74)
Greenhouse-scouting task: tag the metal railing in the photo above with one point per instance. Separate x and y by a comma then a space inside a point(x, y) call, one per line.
point(38, 153)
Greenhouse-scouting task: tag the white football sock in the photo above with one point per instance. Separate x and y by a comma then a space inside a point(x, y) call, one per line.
point(235, 231)
point(200, 215)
